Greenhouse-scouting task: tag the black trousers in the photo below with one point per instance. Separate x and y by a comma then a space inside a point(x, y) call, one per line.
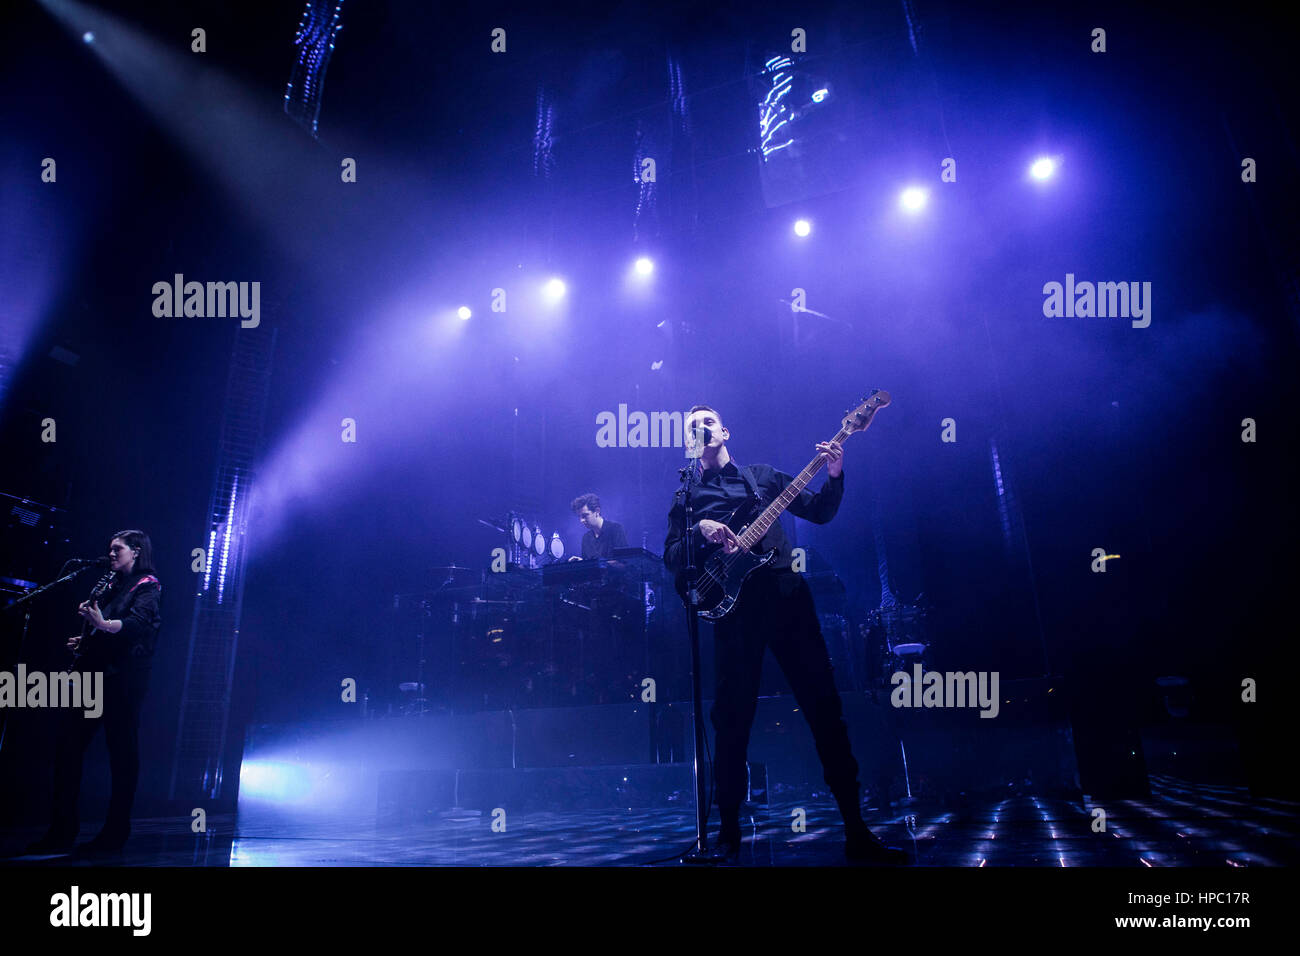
point(123, 698)
point(775, 610)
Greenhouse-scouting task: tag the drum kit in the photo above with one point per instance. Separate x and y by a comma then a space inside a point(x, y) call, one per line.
point(560, 633)
point(526, 545)
point(900, 637)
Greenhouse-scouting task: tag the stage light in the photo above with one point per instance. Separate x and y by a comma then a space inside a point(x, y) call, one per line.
point(464, 312)
point(644, 266)
point(913, 198)
point(554, 290)
point(88, 37)
point(802, 227)
point(820, 95)
point(1043, 168)
point(275, 781)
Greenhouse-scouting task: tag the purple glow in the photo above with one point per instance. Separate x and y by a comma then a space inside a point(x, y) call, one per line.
point(1043, 168)
point(464, 312)
point(802, 227)
point(914, 198)
point(644, 266)
point(554, 290)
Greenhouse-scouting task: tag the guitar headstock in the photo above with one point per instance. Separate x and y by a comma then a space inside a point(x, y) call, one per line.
point(859, 418)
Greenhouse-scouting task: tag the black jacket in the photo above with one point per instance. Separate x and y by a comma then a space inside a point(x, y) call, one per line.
point(134, 600)
point(719, 492)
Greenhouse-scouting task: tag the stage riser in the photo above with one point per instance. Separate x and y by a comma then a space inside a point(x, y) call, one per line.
point(506, 757)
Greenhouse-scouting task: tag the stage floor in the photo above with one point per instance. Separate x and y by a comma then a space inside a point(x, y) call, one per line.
point(1181, 824)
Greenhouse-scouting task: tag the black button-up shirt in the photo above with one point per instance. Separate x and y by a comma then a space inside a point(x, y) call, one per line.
point(721, 491)
point(611, 536)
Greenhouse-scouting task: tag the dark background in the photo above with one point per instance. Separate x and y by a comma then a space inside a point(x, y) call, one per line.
point(1107, 436)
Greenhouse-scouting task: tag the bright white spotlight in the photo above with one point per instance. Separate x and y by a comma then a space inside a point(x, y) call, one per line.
point(554, 290)
point(464, 312)
point(802, 227)
point(1043, 168)
point(644, 266)
point(88, 37)
point(913, 198)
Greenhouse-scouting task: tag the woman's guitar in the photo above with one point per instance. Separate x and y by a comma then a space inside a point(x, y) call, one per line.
point(722, 575)
point(87, 629)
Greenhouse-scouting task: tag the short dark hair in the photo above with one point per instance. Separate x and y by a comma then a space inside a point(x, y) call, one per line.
point(139, 541)
point(704, 408)
point(590, 501)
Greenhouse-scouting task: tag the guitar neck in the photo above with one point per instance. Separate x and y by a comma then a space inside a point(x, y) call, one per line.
point(760, 525)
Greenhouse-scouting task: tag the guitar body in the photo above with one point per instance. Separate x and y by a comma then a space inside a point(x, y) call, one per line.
point(721, 576)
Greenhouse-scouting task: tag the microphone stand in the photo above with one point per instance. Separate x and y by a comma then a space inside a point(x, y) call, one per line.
point(690, 475)
point(25, 601)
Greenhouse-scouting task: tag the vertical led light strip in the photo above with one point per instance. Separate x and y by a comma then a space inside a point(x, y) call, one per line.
point(225, 544)
point(207, 567)
point(544, 136)
point(1002, 495)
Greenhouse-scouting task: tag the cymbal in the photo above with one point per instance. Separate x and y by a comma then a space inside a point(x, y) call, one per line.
point(493, 525)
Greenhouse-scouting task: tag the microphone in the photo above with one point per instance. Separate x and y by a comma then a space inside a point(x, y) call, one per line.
point(696, 439)
point(91, 562)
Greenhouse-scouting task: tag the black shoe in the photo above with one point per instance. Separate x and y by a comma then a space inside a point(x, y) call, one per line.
point(863, 846)
point(724, 851)
point(51, 844)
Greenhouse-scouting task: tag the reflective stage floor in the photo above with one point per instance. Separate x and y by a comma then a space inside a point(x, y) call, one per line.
point(1180, 824)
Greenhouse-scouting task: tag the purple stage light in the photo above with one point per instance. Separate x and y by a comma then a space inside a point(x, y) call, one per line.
point(802, 227)
point(464, 312)
point(554, 290)
point(913, 198)
point(1043, 168)
point(644, 266)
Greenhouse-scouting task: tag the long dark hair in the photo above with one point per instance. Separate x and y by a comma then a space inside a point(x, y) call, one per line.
point(138, 541)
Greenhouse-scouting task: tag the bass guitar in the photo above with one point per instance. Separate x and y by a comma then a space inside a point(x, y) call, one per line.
point(720, 577)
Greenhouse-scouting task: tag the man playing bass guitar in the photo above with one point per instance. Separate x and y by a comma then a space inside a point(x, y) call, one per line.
point(774, 610)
